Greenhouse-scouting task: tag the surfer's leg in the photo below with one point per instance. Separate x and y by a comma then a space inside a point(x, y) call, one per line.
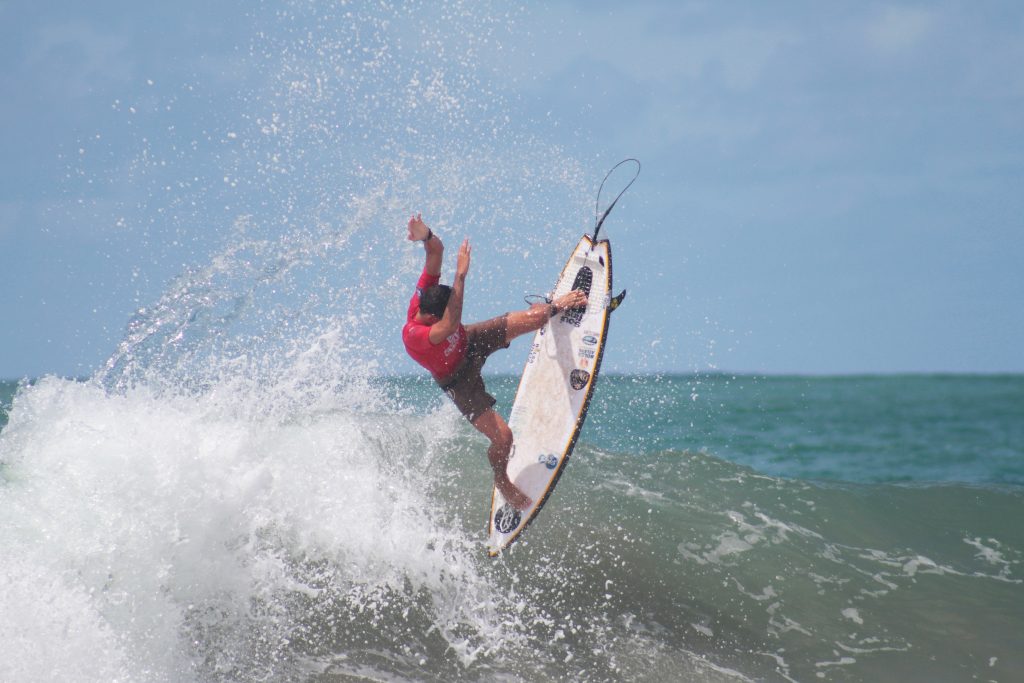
point(533, 318)
point(530, 320)
point(494, 427)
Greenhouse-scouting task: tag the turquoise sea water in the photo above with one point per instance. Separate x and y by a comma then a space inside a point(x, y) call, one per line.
point(708, 528)
point(910, 428)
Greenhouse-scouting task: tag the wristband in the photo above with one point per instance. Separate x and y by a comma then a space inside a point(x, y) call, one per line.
point(552, 311)
point(430, 233)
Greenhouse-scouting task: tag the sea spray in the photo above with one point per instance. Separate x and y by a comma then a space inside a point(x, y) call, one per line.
point(206, 540)
point(230, 497)
point(286, 204)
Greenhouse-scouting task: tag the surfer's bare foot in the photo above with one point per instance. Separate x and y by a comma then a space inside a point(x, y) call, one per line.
point(575, 299)
point(515, 497)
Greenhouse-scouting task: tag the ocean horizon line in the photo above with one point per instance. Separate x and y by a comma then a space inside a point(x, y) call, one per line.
point(677, 373)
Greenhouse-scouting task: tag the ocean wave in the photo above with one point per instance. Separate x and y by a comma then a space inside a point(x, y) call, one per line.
point(208, 541)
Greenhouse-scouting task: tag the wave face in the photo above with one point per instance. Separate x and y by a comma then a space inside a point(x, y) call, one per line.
point(151, 537)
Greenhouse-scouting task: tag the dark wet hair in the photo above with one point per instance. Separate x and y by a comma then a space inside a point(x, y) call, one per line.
point(434, 300)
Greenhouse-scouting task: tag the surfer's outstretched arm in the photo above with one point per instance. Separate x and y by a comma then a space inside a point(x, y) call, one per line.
point(452, 318)
point(419, 232)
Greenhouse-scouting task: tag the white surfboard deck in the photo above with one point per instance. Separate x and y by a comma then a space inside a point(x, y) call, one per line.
point(554, 391)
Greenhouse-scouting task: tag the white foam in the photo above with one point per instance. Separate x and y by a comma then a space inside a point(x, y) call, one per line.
point(134, 520)
point(50, 631)
point(852, 614)
point(703, 630)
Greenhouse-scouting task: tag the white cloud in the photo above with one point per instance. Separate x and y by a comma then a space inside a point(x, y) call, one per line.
point(897, 29)
point(659, 44)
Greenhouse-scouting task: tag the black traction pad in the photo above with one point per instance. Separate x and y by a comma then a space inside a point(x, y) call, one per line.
point(584, 279)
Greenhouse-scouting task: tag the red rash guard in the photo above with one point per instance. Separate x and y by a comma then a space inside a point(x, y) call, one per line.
point(440, 359)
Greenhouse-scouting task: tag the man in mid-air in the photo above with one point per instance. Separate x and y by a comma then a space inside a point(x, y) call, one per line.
point(455, 354)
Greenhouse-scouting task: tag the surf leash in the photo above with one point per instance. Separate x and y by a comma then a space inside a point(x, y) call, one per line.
point(597, 204)
point(615, 301)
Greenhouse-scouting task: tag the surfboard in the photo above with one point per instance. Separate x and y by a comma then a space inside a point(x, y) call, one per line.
point(555, 389)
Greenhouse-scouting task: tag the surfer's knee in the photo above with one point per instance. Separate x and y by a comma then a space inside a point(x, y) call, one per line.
point(491, 425)
point(501, 439)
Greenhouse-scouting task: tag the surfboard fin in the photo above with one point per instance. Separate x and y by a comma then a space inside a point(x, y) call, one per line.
point(616, 301)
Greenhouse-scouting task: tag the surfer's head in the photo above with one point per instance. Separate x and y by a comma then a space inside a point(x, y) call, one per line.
point(434, 300)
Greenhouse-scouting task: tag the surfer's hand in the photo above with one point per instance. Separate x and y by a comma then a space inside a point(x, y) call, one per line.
point(574, 299)
point(418, 230)
point(462, 265)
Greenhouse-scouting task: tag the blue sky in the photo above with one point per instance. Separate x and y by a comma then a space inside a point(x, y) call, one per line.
point(827, 187)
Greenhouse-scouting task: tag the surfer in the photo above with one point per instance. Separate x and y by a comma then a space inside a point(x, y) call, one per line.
point(454, 354)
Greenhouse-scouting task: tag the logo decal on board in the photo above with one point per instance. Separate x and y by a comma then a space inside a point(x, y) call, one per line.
point(590, 340)
point(507, 518)
point(578, 379)
point(550, 460)
point(533, 353)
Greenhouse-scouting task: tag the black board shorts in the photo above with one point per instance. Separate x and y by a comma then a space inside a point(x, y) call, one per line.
point(465, 387)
